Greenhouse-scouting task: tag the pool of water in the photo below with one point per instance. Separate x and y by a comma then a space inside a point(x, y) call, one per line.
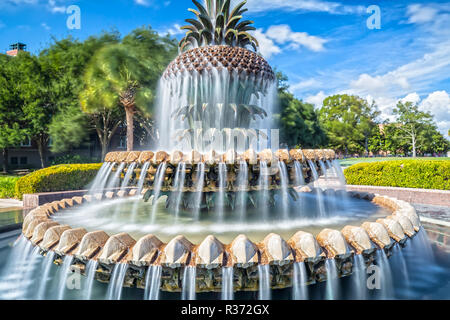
point(10, 216)
point(134, 216)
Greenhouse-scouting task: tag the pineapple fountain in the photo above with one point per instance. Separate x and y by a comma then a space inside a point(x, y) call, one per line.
point(218, 166)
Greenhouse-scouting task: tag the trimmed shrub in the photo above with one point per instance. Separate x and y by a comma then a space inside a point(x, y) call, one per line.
point(7, 186)
point(424, 174)
point(57, 178)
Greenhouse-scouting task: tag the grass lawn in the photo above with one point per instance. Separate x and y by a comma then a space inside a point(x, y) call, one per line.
point(351, 161)
point(7, 185)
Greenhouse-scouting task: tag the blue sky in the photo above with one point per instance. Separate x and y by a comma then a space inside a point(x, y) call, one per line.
point(325, 47)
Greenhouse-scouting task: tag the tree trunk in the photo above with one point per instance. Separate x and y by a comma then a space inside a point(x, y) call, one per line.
point(130, 127)
point(5, 160)
point(41, 150)
point(414, 146)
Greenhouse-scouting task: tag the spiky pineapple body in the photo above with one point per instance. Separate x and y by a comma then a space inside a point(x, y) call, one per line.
point(236, 60)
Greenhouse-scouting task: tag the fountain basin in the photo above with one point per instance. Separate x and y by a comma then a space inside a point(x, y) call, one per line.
point(211, 255)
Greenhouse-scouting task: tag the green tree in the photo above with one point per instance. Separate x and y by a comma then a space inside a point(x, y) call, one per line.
point(411, 124)
point(66, 61)
point(349, 122)
point(34, 99)
point(11, 132)
point(298, 121)
point(125, 75)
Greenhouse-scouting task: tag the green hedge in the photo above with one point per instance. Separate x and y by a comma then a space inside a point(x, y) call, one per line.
point(425, 174)
point(7, 186)
point(57, 178)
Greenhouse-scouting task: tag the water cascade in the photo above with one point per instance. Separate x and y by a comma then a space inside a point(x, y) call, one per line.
point(386, 289)
point(179, 185)
point(64, 274)
point(91, 269)
point(264, 186)
point(48, 262)
point(264, 282)
point(159, 179)
point(319, 192)
point(116, 177)
point(153, 283)
point(200, 178)
point(359, 278)
point(222, 191)
point(332, 286)
point(284, 179)
point(96, 184)
point(227, 283)
point(128, 176)
point(188, 284)
point(140, 186)
point(116, 283)
point(300, 291)
point(242, 181)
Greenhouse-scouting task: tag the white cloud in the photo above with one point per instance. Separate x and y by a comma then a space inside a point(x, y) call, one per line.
point(283, 34)
point(270, 42)
point(316, 99)
point(267, 47)
point(303, 5)
point(144, 3)
point(438, 103)
point(418, 13)
point(306, 85)
point(412, 97)
point(45, 26)
point(174, 30)
point(54, 7)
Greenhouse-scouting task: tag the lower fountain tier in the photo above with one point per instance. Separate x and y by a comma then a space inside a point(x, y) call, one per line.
point(210, 256)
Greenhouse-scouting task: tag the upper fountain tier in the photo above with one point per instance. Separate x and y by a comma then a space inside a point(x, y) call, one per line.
point(207, 59)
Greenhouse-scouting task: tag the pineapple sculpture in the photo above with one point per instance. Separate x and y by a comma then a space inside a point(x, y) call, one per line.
point(226, 78)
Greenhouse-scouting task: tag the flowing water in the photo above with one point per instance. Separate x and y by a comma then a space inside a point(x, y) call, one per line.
point(300, 291)
point(222, 192)
point(199, 190)
point(386, 289)
point(332, 286)
point(188, 283)
point(319, 192)
point(64, 274)
point(126, 180)
point(263, 186)
point(264, 282)
point(140, 186)
point(359, 278)
point(242, 181)
point(115, 286)
point(153, 283)
point(179, 185)
point(284, 189)
point(209, 103)
point(159, 179)
point(48, 263)
point(91, 269)
point(114, 181)
point(227, 283)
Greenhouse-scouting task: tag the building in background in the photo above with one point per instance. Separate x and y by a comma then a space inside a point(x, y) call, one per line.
point(15, 48)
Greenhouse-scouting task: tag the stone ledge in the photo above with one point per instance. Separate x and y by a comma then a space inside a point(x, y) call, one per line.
point(31, 201)
point(422, 196)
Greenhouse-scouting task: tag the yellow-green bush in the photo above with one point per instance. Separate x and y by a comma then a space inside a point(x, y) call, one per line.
point(57, 178)
point(7, 185)
point(425, 174)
